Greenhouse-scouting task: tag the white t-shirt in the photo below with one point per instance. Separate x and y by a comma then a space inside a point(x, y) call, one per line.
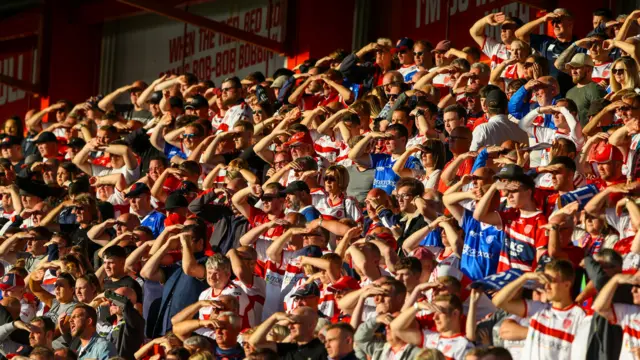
point(496, 51)
point(453, 347)
point(551, 331)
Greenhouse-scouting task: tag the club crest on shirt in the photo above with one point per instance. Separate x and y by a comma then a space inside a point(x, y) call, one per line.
point(446, 348)
point(528, 228)
point(489, 239)
point(566, 323)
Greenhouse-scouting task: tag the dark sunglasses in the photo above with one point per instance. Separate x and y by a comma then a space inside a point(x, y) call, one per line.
point(330, 179)
point(269, 197)
point(189, 136)
point(618, 71)
point(418, 53)
point(528, 64)
point(227, 89)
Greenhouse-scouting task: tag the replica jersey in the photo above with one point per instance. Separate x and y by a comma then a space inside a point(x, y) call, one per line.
point(240, 111)
point(346, 207)
point(551, 331)
point(232, 290)
point(601, 72)
point(523, 237)
point(452, 347)
point(482, 245)
point(256, 294)
point(628, 317)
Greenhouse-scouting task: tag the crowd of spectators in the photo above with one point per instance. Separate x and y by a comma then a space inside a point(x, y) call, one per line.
point(403, 201)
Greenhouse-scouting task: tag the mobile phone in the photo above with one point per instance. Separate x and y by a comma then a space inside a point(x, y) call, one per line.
point(116, 299)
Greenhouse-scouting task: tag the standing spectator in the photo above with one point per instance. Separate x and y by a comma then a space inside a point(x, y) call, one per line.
point(496, 51)
point(585, 91)
point(83, 326)
point(551, 47)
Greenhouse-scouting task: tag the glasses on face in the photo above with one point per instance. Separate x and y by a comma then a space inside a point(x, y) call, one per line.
point(257, 112)
point(618, 71)
point(404, 196)
point(330, 179)
point(189, 136)
point(457, 137)
point(227, 89)
point(528, 64)
point(418, 53)
point(281, 162)
point(269, 197)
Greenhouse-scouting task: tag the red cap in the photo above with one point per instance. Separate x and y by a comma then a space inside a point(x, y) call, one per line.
point(299, 138)
point(11, 281)
point(344, 283)
point(605, 152)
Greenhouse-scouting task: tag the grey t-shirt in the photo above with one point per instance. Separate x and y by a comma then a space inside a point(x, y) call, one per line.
point(31, 262)
point(583, 96)
point(360, 182)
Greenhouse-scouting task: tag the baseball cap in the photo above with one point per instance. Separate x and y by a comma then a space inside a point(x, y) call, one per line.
point(579, 60)
point(597, 105)
point(11, 281)
point(46, 137)
point(279, 81)
point(514, 172)
point(604, 153)
point(176, 102)
point(155, 97)
point(344, 283)
point(442, 46)
point(175, 201)
point(138, 189)
point(310, 251)
point(404, 44)
point(197, 102)
point(78, 143)
point(513, 20)
point(496, 99)
point(30, 187)
point(299, 138)
point(311, 289)
point(296, 186)
point(9, 140)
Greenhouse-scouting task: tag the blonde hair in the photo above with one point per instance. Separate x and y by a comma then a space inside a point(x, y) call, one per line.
point(341, 174)
point(278, 333)
point(632, 80)
point(202, 355)
point(426, 354)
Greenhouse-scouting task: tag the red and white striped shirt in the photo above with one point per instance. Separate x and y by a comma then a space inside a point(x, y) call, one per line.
point(452, 347)
point(628, 317)
point(524, 236)
point(551, 331)
point(232, 290)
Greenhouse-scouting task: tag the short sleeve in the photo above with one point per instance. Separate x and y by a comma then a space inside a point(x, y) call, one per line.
point(378, 158)
point(622, 312)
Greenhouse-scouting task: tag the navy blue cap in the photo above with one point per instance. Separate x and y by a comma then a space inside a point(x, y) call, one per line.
point(310, 251)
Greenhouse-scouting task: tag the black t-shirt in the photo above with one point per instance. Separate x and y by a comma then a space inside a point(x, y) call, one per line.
point(126, 281)
point(79, 237)
point(313, 350)
point(141, 146)
point(256, 164)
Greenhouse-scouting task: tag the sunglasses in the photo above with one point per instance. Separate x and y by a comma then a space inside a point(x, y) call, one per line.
point(269, 197)
point(458, 138)
point(418, 53)
point(618, 71)
point(227, 89)
point(257, 112)
point(189, 136)
point(528, 64)
point(330, 179)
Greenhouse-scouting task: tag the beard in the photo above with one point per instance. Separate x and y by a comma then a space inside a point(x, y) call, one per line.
point(577, 78)
point(78, 331)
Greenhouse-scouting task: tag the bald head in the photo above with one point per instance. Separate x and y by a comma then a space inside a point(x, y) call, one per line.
point(393, 76)
point(485, 174)
point(551, 82)
point(130, 220)
point(129, 293)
